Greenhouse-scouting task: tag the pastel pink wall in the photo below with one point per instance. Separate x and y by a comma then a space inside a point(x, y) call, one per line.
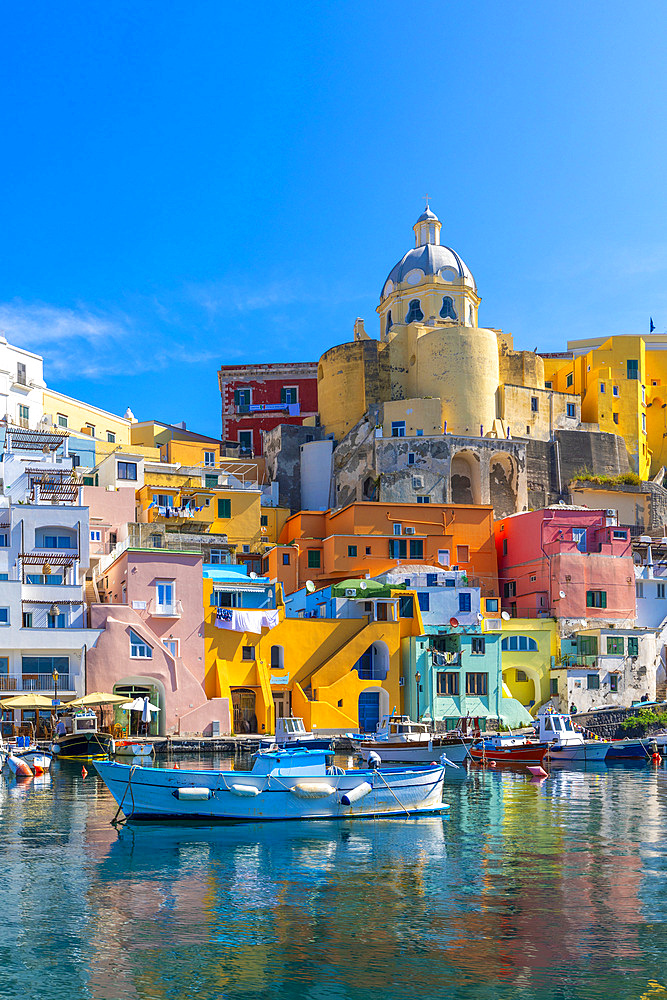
point(543, 559)
point(110, 510)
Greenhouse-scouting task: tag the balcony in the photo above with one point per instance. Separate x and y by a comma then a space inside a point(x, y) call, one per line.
point(173, 610)
point(35, 682)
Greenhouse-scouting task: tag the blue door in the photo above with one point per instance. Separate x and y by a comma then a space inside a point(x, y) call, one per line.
point(369, 711)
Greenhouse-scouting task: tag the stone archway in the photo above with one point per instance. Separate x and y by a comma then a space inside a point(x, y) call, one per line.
point(465, 478)
point(141, 686)
point(503, 484)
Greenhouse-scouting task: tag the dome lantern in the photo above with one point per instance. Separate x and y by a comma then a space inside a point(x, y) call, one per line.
point(427, 229)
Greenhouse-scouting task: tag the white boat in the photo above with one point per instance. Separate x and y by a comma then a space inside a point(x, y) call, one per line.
point(133, 748)
point(23, 750)
point(567, 743)
point(283, 784)
point(397, 739)
point(291, 732)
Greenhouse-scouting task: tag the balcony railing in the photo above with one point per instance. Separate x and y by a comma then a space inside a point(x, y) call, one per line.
point(35, 682)
point(172, 610)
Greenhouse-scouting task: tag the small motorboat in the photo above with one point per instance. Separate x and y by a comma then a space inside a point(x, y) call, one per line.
point(630, 749)
point(81, 739)
point(399, 740)
point(511, 750)
point(133, 748)
point(567, 743)
point(283, 784)
point(37, 760)
point(291, 732)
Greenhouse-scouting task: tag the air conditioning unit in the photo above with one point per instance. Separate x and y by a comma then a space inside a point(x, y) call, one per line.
point(410, 531)
point(350, 592)
point(494, 624)
point(401, 682)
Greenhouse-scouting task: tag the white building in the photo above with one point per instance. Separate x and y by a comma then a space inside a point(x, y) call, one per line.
point(44, 546)
point(21, 385)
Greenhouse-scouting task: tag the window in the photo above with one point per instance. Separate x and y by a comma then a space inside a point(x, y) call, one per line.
point(615, 645)
point(242, 397)
point(569, 381)
point(444, 557)
point(398, 428)
point(448, 311)
point(95, 536)
point(314, 558)
point(23, 415)
point(245, 441)
point(4, 539)
point(248, 652)
point(44, 664)
point(352, 550)
point(423, 499)
point(579, 538)
point(478, 645)
point(58, 542)
point(553, 686)
point(217, 557)
point(224, 599)
point(127, 470)
point(286, 559)
point(368, 550)
point(492, 605)
point(163, 500)
point(431, 579)
point(21, 373)
point(593, 682)
point(4, 616)
point(621, 535)
point(411, 458)
point(518, 643)
point(406, 606)
point(289, 394)
point(416, 548)
point(571, 410)
point(587, 645)
point(389, 323)
point(639, 589)
point(155, 540)
point(602, 388)
point(521, 676)
point(245, 548)
point(55, 621)
point(138, 647)
point(209, 458)
point(398, 548)
point(633, 645)
point(91, 428)
point(448, 684)
point(477, 684)
point(643, 423)
point(548, 385)
point(398, 529)
point(450, 582)
point(415, 315)
point(264, 520)
point(509, 589)
point(27, 619)
point(462, 553)
point(61, 420)
point(596, 598)
point(615, 417)
point(424, 599)
point(615, 390)
point(534, 404)
point(504, 546)
point(171, 645)
point(224, 508)
point(633, 368)
point(111, 437)
point(164, 595)
point(465, 602)
point(660, 591)
point(210, 482)
point(613, 682)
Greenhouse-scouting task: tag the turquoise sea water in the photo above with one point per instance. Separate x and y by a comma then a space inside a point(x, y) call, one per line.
point(552, 891)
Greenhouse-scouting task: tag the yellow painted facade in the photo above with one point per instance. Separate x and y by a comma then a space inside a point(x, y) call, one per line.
point(526, 672)
point(75, 415)
point(319, 655)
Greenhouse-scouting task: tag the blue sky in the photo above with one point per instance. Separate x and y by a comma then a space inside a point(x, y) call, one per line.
point(185, 186)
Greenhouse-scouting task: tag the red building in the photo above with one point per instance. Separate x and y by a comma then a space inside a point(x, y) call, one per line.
point(256, 398)
point(565, 562)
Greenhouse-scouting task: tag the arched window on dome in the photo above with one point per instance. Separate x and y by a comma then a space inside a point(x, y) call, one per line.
point(448, 311)
point(415, 315)
point(390, 323)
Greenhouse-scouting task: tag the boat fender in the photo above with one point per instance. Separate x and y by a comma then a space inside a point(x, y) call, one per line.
point(356, 793)
point(306, 790)
point(374, 759)
point(20, 768)
point(537, 771)
point(656, 758)
point(246, 791)
point(193, 794)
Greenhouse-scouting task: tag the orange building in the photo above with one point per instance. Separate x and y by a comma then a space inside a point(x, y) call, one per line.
point(371, 538)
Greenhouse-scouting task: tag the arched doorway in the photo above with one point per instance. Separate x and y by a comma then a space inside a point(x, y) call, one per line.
point(465, 478)
point(523, 684)
point(373, 704)
point(131, 722)
point(245, 718)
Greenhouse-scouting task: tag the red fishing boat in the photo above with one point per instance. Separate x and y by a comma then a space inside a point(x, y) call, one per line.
point(512, 750)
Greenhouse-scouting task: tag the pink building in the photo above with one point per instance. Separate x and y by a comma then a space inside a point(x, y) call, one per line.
point(110, 512)
point(151, 612)
point(565, 562)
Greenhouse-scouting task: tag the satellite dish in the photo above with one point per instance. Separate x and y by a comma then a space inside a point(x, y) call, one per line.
point(310, 586)
point(561, 593)
point(505, 615)
point(480, 618)
point(453, 622)
point(253, 576)
point(362, 585)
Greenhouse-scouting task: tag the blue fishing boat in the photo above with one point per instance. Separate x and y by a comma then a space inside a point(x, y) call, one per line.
point(283, 784)
point(629, 749)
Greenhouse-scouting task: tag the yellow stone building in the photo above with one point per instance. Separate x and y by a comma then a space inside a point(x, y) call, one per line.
point(528, 647)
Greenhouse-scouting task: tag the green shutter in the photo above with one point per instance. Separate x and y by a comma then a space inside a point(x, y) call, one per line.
point(224, 508)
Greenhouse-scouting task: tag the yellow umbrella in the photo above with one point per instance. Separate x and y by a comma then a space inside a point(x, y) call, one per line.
point(27, 701)
point(97, 698)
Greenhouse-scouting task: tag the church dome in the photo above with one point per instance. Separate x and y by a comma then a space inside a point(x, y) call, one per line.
point(428, 258)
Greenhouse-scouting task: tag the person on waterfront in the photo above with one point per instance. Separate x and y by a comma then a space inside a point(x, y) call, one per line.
point(60, 728)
